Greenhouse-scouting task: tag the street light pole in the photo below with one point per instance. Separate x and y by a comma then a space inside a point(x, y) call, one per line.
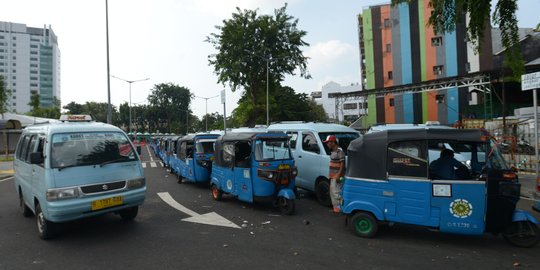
point(267, 59)
point(130, 82)
point(206, 114)
point(109, 106)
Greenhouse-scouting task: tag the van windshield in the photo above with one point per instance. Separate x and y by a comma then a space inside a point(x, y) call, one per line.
point(344, 139)
point(272, 149)
point(90, 148)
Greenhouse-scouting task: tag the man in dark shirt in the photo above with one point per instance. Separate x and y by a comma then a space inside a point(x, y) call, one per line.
point(443, 167)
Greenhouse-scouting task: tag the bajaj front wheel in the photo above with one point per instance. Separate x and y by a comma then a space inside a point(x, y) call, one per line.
point(522, 234)
point(286, 206)
point(363, 224)
point(217, 194)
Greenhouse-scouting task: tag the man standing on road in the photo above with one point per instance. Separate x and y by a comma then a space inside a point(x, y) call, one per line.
point(337, 171)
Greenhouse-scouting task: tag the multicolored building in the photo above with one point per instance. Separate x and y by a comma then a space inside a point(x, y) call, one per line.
point(399, 48)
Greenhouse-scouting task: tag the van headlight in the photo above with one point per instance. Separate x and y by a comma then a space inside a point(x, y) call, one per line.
point(62, 193)
point(136, 183)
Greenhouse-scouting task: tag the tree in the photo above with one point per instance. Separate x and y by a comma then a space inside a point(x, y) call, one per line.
point(4, 95)
point(290, 106)
point(246, 45)
point(170, 104)
point(74, 108)
point(446, 13)
point(34, 103)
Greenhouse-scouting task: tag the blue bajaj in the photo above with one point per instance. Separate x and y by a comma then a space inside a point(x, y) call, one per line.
point(392, 178)
point(195, 154)
point(254, 166)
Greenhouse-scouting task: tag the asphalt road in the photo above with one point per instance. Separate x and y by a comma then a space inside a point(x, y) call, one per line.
point(313, 238)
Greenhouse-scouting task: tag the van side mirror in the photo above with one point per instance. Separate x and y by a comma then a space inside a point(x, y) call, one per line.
point(36, 158)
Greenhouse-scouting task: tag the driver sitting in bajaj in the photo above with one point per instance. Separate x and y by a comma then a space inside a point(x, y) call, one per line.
point(443, 167)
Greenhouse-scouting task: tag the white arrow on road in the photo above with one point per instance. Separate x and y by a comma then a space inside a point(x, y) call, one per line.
point(211, 218)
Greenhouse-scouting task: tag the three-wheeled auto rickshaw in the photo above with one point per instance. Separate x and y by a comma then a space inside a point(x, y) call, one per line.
point(390, 178)
point(194, 156)
point(255, 166)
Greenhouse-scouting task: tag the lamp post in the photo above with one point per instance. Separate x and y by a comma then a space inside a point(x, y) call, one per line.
point(267, 59)
point(130, 82)
point(206, 114)
point(109, 107)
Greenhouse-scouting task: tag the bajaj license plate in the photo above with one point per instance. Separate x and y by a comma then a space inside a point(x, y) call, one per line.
point(105, 203)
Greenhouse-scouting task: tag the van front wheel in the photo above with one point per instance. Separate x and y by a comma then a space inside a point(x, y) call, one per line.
point(46, 229)
point(129, 213)
point(322, 192)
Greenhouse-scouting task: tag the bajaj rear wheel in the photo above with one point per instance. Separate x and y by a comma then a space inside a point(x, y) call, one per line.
point(522, 234)
point(363, 224)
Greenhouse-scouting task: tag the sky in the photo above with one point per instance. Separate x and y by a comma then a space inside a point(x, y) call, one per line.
point(163, 40)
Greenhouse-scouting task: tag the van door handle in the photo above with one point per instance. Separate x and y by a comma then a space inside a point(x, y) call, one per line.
point(299, 156)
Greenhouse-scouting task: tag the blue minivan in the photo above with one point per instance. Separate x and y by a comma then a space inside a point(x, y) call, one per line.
point(75, 169)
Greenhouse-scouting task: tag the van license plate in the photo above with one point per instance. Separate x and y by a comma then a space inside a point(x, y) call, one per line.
point(104, 203)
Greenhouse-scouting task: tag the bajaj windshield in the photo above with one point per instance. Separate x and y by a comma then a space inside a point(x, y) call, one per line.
point(274, 149)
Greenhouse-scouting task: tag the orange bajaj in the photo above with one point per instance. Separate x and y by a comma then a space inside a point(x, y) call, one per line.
point(255, 166)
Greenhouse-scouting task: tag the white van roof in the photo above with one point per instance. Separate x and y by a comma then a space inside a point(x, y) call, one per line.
point(314, 126)
point(67, 127)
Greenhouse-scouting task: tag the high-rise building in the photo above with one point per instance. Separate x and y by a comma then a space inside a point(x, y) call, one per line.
point(29, 63)
point(400, 52)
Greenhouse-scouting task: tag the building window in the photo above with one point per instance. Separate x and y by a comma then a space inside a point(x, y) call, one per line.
point(388, 48)
point(350, 106)
point(390, 75)
point(33, 78)
point(468, 67)
point(14, 57)
point(33, 59)
point(14, 38)
point(34, 46)
point(438, 70)
point(33, 52)
point(436, 41)
point(439, 99)
point(14, 51)
point(387, 23)
point(391, 102)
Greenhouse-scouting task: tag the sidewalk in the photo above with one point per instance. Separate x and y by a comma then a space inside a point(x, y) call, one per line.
point(6, 169)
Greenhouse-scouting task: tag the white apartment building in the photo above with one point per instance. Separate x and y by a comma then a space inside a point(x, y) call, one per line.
point(349, 109)
point(29, 62)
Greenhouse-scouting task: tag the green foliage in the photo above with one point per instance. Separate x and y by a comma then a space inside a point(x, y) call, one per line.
point(34, 103)
point(170, 104)
point(290, 106)
point(74, 108)
point(4, 95)
point(250, 45)
point(447, 13)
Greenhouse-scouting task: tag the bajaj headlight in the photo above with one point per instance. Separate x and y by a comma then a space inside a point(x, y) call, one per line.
point(136, 183)
point(62, 193)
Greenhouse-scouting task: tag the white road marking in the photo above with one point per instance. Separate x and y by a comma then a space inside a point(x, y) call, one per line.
point(143, 165)
point(4, 180)
point(211, 218)
point(153, 164)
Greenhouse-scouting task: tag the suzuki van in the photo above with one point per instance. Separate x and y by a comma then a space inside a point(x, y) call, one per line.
point(75, 169)
point(311, 155)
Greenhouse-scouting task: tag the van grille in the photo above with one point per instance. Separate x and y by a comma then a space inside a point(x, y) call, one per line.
point(103, 187)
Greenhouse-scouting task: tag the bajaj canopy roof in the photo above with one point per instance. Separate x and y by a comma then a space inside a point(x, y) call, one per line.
point(367, 154)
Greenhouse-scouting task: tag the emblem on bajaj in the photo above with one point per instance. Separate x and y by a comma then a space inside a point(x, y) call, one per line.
point(461, 208)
